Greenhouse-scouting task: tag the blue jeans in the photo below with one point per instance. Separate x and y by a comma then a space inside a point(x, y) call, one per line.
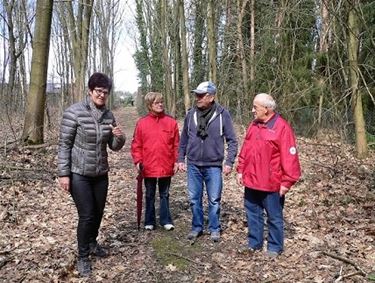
point(255, 203)
point(164, 185)
point(211, 177)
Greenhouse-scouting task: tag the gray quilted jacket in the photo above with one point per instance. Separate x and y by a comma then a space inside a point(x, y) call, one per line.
point(83, 141)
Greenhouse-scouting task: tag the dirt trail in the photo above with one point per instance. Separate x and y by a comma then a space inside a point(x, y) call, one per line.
point(330, 210)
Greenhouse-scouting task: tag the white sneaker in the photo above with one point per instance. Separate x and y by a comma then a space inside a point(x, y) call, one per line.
point(168, 227)
point(149, 227)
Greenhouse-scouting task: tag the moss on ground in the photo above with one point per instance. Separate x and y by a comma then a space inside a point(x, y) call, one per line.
point(171, 251)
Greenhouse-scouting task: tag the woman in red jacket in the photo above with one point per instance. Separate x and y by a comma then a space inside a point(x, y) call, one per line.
point(268, 166)
point(155, 150)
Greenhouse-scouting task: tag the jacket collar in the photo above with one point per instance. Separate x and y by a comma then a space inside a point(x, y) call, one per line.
point(218, 110)
point(87, 103)
point(270, 123)
point(156, 116)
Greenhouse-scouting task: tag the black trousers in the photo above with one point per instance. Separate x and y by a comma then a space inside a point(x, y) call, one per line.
point(89, 195)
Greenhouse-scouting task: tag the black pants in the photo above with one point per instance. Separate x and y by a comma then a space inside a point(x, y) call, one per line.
point(89, 195)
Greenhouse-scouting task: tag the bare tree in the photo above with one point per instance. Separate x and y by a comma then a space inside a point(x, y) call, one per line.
point(164, 30)
point(34, 117)
point(324, 31)
point(199, 47)
point(353, 47)
point(63, 56)
point(211, 40)
point(16, 20)
point(104, 38)
point(79, 19)
point(241, 51)
point(184, 56)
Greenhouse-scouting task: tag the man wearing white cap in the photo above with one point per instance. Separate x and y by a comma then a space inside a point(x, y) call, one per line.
point(207, 126)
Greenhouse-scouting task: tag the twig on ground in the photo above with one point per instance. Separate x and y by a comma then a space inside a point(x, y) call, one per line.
point(36, 146)
point(341, 277)
point(16, 168)
point(222, 266)
point(271, 280)
point(355, 265)
point(6, 251)
point(153, 274)
point(333, 169)
point(5, 260)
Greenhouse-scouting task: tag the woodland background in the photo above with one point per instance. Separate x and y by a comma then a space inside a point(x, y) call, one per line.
point(315, 56)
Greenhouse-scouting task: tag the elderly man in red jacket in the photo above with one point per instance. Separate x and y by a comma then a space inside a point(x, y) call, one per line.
point(155, 147)
point(268, 166)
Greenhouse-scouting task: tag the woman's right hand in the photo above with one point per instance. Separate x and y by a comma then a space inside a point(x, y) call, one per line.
point(64, 183)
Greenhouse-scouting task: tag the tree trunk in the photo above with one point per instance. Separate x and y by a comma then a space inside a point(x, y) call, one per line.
point(199, 62)
point(79, 35)
point(141, 56)
point(184, 59)
point(353, 45)
point(324, 32)
point(242, 90)
point(241, 47)
point(34, 117)
point(105, 38)
point(171, 104)
point(211, 41)
point(323, 49)
point(252, 43)
point(9, 7)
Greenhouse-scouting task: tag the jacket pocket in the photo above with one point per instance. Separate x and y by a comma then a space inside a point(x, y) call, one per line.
point(167, 136)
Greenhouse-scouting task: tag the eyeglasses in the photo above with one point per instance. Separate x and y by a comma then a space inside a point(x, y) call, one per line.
point(157, 102)
point(100, 92)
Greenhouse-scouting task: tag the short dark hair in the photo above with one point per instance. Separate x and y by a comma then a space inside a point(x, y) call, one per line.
point(99, 80)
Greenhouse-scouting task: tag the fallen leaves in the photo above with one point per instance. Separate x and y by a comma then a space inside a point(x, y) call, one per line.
point(330, 210)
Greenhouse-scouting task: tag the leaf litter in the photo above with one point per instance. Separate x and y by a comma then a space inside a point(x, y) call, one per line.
point(329, 223)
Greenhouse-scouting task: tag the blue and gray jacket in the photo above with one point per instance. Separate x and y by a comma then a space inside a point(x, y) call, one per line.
point(208, 151)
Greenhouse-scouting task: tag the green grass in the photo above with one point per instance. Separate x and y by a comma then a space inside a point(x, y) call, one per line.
point(173, 251)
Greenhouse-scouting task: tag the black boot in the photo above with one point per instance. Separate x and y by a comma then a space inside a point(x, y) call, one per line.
point(97, 250)
point(84, 266)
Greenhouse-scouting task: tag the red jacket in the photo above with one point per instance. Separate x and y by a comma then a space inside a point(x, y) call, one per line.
point(155, 144)
point(268, 157)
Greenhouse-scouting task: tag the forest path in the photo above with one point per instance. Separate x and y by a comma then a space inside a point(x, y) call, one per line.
point(329, 210)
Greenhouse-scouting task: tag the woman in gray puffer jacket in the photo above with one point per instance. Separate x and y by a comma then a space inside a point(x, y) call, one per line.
point(86, 129)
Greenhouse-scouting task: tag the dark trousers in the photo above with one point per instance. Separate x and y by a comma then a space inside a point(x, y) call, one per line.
point(165, 215)
point(89, 195)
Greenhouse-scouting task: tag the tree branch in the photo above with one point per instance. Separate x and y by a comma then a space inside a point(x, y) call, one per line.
point(343, 259)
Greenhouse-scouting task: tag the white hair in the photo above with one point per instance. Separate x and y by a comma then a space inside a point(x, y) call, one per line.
point(266, 100)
